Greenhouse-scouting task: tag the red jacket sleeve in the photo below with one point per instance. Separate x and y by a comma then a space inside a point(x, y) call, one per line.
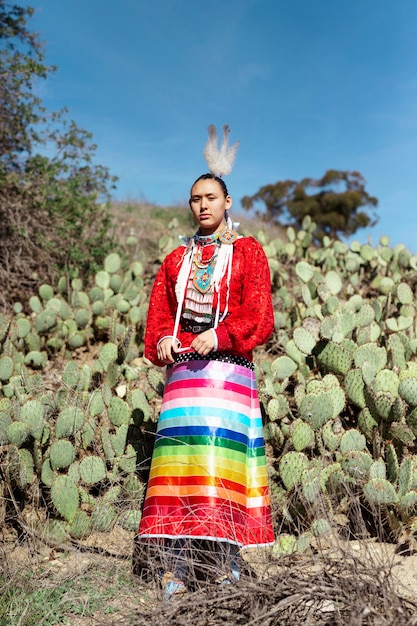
point(162, 306)
point(250, 322)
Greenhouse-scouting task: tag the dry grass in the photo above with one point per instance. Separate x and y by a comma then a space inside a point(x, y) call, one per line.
point(337, 583)
point(334, 585)
point(77, 585)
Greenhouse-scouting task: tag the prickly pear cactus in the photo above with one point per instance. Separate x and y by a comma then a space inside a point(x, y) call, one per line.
point(337, 385)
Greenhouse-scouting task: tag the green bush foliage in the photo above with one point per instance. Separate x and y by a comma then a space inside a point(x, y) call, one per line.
point(54, 211)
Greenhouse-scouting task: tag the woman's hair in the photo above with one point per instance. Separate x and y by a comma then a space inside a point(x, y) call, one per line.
point(212, 177)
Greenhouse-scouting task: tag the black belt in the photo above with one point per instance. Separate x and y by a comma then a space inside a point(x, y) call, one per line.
point(225, 357)
point(192, 327)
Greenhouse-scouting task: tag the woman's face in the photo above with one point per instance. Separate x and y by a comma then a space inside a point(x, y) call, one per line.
point(208, 206)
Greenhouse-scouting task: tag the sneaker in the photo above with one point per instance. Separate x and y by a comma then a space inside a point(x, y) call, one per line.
point(171, 587)
point(228, 579)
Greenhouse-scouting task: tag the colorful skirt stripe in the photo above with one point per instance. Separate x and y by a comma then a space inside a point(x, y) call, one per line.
point(208, 477)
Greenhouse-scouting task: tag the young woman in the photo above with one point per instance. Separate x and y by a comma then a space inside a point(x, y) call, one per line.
point(209, 308)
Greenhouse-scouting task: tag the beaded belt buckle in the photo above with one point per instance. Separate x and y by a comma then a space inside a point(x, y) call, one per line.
point(196, 328)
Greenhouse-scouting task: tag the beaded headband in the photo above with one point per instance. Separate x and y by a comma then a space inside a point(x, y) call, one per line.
point(220, 160)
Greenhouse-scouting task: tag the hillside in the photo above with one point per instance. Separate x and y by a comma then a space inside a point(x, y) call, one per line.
point(337, 382)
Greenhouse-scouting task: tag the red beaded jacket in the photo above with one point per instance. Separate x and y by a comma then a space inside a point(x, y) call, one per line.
point(250, 318)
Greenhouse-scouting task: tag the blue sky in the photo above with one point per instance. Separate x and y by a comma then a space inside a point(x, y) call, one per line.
point(306, 85)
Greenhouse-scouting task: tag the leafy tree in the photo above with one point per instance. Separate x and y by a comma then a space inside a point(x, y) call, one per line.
point(53, 211)
point(337, 203)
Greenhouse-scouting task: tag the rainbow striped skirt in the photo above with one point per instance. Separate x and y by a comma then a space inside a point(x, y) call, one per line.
point(208, 477)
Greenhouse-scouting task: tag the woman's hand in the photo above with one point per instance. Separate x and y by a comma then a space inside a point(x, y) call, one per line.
point(164, 350)
point(203, 343)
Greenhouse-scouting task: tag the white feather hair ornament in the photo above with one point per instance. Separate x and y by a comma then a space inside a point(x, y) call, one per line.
point(220, 160)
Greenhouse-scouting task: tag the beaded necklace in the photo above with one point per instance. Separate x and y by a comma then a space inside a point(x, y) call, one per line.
point(199, 304)
point(204, 269)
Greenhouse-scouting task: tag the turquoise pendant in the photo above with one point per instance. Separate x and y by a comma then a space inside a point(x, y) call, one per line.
point(202, 278)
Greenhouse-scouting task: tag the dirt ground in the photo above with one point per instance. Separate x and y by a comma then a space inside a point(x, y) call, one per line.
point(108, 556)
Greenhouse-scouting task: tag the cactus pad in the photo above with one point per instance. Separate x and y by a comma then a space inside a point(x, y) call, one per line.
point(408, 503)
point(103, 517)
point(316, 409)
point(276, 409)
point(74, 472)
point(387, 380)
point(25, 474)
point(133, 490)
point(108, 449)
point(365, 316)
point(285, 545)
point(54, 532)
point(356, 464)
point(291, 466)
point(332, 434)
point(127, 462)
point(35, 304)
point(88, 433)
point(334, 357)
point(391, 460)
point(302, 436)
point(367, 423)
point(405, 293)
point(320, 527)
point(61, 454)
point(6, 368)
point(141, 408)
point(155, 380)
point(305, 271)
point(69, 421)
point(102, 279)
point(118, 441)
point(371, 353)
point(311, 487)
point(380, 491)
point(402, 432)
point(273, 434)
point(130, 520)
point(405, 476)
point(352, 439)
point(47, 474)
point(36, 359)
point(71, 374)
point(32, 414)
point(119, 411)
point(45, 321)
point(408, 390)
point(333, 282)
point(112, 263)
point(304, 340)
point(64, 496)
point(82, 317)
point(107, 355)
point(396, 347)
point(354, 386)
point(81, 525)
point(378, 469)
point(92, 470)
point(5, 421)
point(96, 405)
point(17, 433)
